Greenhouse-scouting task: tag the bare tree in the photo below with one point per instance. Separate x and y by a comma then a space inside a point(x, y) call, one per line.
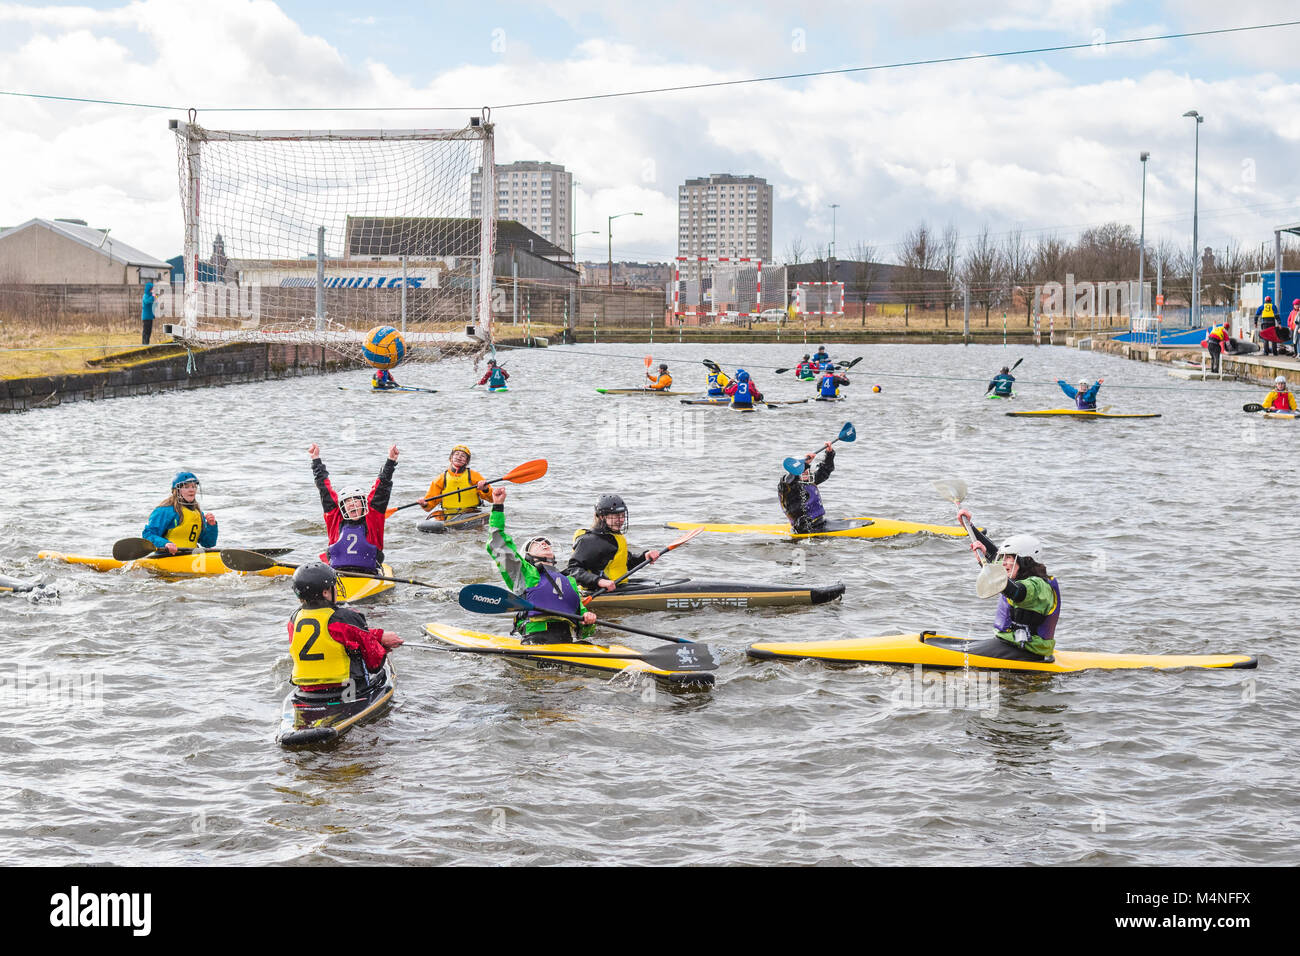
point(949, 265)
point(920, 254)
point(866, 273)
point(980, 270)
point(1016, 264)
point(795, 250)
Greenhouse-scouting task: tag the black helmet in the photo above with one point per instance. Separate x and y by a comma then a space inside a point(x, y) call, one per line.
point(807, 355)
point(663, 367)
point(610, 505)
point(310, 582)
point(1006, 370)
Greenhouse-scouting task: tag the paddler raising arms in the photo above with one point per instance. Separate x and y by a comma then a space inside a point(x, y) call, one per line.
point(332, 646)
point(800, 498)
point(534, 577)
point(354, 521)
point(1028, 605)
point(660, 382)
point(600, 554)
point(458, 476)
point(1085, 396)
point(178, 521)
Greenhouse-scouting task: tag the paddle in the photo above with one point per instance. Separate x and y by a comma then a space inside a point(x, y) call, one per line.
point(414, 388)
point(1009, 371)
point(992, 577)
point(1252, 407)
point(848, 365)
point(131, 549)
point(528, 471)
point(490, 599)
point(662, 551)
point(795, 466)
point(696, 657)
point(251, 562)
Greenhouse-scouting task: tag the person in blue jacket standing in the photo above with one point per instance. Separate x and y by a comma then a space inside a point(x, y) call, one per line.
point(1085, 396)
point(146, 313)
point(178, 521)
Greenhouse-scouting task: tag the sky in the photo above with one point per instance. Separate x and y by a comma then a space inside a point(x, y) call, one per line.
point(1047, 143)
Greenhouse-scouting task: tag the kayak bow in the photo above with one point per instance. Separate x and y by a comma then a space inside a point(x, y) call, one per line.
point(845, 528)
point(311, 718)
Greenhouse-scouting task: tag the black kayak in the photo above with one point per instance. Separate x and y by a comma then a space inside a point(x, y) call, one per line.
point(471, 521)
point(317, 718)
point(690, 594)
point(34, 589)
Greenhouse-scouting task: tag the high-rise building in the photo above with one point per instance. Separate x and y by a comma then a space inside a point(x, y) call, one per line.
point(536, 195)
point(725, 215)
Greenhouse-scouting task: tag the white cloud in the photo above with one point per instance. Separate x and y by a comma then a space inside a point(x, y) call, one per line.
point(1002, 142)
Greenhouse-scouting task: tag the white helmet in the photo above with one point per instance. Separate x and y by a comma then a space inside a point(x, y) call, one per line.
point(348, 496)
point(1280, 380)
point(1085, 384)
point(1022, 546)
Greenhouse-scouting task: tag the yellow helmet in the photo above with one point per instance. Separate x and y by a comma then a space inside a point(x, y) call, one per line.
point(464, 448)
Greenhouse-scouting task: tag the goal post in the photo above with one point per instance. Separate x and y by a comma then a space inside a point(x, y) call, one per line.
point(317, 236)
point(726, 285)
point(819, 298)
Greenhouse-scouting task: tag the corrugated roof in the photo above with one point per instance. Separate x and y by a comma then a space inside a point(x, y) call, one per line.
point(115, 249)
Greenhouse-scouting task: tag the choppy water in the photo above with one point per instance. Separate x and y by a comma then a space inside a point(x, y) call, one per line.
point(1174, 535)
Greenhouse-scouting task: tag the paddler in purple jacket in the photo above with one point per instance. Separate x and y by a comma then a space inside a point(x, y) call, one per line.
point(800, 498)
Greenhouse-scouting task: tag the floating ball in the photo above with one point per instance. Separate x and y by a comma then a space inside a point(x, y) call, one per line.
point(384, 347)
point(875, 388)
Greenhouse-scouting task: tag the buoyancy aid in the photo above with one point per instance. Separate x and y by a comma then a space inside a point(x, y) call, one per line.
point(317, 657)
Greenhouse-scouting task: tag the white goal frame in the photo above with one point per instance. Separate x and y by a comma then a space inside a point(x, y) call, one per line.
point(699, 264)
point(801, 295)
point(192, 137)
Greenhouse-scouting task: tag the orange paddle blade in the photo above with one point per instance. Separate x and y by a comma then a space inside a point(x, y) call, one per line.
point(528, 471)
point(684, 538)
point(648, 361)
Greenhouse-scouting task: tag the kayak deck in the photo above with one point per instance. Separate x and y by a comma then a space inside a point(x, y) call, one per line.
point(552, 656)
point(936, 650)
point(307, 723)
point(860, 527)
point(200, 563)
point(644, 391)
point(473, 521)
point(1079, 413)
point(687, 594)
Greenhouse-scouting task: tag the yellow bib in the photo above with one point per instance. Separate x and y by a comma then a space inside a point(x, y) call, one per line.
point(464, 501)
point(1268, 312)
point(186, 534)
point(317, 657)
point(617, 566)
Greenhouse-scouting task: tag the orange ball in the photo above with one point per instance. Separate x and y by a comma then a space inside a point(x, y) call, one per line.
point(875, 388)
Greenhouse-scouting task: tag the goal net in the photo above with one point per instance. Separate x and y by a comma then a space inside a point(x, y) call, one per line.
point(819, 298)
point(316, 237)
point(724, 285)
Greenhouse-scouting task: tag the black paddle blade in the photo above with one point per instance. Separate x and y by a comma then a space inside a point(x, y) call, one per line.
point(682, 657)
point(1248, 407)
point(130, 549)
point(239, 560)
point(272, 552)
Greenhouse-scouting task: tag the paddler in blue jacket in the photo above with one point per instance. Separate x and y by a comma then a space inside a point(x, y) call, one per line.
point(821, 356)
point(828, 386)
point(1085, 396)
point(1002, 383)
point(178, 521)
point(742, 391)
point(534, 577)
point(801, 499)
point(600, 554)
point(1029, 605)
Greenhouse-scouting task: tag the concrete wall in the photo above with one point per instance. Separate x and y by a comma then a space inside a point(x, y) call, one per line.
point(37, 255)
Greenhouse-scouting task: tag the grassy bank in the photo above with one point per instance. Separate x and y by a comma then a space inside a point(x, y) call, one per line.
point(62, 346)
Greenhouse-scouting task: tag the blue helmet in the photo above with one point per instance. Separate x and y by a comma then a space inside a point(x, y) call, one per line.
point(184, 476)
point(827, 365)
point(742, 375)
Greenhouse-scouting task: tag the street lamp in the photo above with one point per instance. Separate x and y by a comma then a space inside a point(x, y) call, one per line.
point(834, 206)
point(1142, 244)
point(1196, 252)
point(609, 226)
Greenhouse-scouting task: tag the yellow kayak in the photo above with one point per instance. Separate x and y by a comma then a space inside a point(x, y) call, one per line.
point(1079, 413)
point(552, 656)
point(937, 650)
point(209, 562)
point(845, 528)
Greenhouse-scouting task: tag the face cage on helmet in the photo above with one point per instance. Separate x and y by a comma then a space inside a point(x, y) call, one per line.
point(353, 496)
point(627, 519)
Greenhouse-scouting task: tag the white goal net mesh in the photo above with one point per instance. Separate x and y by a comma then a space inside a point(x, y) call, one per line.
point(319, 236)
point(720, 286)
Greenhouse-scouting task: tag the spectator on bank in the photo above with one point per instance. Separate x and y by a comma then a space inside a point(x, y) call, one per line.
point(146, 313)
point(1267, 318)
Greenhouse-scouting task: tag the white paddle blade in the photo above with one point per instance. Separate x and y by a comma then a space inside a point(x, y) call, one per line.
point(954, 489)
point(992, 579)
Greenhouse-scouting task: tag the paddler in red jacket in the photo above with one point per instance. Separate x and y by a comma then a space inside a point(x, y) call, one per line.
point(354, 521)
point(332, 646)
point(1281, 399)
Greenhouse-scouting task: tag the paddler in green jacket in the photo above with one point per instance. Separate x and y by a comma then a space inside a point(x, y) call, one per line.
point(1029, 604)
point(533, 576)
